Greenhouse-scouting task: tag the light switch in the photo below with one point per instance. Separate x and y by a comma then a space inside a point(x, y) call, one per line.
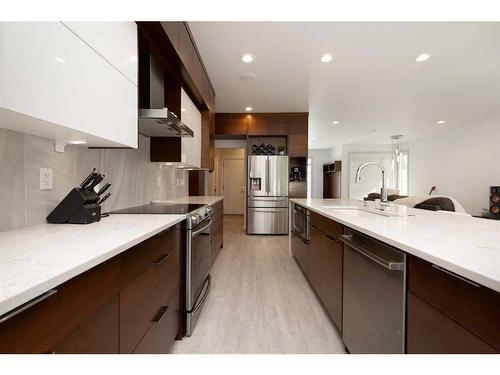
point(46, 178)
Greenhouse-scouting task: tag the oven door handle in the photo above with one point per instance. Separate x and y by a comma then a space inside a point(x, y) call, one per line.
point(197, 232)
point(205, 295)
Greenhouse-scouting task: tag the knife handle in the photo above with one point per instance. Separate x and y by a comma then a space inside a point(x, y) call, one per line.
point(88, 178)
point(96, 181)
point(103, 189)
point(104, 198)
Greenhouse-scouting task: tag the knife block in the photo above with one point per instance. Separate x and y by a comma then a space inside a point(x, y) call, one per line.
point(78, 207)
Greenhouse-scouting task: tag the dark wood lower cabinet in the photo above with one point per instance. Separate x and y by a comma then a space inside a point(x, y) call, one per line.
point(98, 335)
point(163, 330)
point(130, 303)
point(431, 332)
point(315, 259)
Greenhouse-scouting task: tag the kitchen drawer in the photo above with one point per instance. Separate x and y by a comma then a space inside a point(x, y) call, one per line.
point(39, 328)
point(141, 300)
point(473, 306)
point(329, 227)
point(144, 255)
point(98, 335)
point(164, 328)
point(430, 331)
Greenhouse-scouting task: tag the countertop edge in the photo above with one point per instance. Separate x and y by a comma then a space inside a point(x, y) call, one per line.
point(19, 299)
point(458, 269)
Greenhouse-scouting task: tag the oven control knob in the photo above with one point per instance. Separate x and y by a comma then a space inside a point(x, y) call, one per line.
point(195, 217)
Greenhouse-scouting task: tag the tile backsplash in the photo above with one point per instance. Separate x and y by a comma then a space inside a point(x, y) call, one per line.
point(134, 179)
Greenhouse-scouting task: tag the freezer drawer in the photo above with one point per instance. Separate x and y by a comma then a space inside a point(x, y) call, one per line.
point(267, 221)
point(268, 202)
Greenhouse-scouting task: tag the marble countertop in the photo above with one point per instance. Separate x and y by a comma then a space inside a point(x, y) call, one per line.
point(35, 259)
point(465, 245)
point(201, 199)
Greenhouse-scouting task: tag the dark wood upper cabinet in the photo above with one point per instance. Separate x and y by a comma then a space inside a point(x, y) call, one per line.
point(186, 48)
point(293, 125)
point(172, 29)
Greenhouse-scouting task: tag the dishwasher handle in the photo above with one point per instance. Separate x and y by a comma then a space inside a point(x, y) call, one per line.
point(386, 263)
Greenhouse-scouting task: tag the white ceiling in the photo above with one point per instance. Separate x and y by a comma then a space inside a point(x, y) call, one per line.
point(373, 82)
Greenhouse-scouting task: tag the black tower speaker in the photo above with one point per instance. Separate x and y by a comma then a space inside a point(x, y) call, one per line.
point(494, 212)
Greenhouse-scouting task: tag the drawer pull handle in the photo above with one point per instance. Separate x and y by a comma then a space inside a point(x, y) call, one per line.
point(27, 305)
point(160, 315)
point(456, 276)
point(162, 259)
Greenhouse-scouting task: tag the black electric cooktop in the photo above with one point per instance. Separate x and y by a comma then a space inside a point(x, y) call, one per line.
point(160, 208)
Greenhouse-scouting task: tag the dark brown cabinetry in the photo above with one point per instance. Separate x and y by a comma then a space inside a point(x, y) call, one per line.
point(449, 314)
point(111, 308)
point(174, 45)
point(293, 125)
point(216, 241)
point(325, 264)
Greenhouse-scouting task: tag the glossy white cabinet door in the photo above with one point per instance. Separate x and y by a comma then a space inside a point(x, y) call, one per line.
point(114, 41)
point(49, 73)
point(191, 147)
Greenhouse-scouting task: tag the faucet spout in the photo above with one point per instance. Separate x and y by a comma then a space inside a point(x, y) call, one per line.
point(383, 191)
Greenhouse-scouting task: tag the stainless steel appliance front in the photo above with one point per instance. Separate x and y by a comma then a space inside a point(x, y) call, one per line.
point(373, 296)
point(197, 271)
point(267, 195)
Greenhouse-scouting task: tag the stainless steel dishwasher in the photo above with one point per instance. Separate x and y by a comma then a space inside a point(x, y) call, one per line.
point(374, 294)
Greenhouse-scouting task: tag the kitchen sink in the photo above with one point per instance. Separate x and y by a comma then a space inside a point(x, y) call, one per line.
point(391, 211)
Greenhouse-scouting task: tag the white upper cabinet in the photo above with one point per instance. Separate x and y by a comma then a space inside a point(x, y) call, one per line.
point(191, 147)
point(115, 41)
point(53, 84)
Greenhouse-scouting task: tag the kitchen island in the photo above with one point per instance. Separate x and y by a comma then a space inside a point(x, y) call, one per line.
point(450, 271)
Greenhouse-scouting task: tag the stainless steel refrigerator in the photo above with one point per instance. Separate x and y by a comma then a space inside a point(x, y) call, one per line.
point(267, 195)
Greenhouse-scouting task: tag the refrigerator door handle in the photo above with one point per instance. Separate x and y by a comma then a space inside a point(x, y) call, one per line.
point(267, 176)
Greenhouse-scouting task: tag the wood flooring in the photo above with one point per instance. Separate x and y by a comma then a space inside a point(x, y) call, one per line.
point(260, 302)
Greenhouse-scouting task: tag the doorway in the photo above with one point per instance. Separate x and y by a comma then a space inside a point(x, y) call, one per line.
point(233, 186)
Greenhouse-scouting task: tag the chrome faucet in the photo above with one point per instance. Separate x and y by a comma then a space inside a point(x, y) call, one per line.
point(383, 191)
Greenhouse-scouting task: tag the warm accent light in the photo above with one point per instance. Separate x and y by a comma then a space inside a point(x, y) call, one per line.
point(422, 57)
point(78, 142)
point(441, 122)
point(247, 58)
point(326, 58)
point(336, 122)
point(248, 109)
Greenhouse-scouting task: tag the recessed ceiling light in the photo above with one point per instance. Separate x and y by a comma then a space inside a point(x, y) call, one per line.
point(247, 58)
point(441, 122)
point(336, 122)
point(78, 142)
point(248, 109)
point(422, 57)
point(373, 130)
point(183, 109)
point(326, 58)
point(314, 138)
point(60, 60)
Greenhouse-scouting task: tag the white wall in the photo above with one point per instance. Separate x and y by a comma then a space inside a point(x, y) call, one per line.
point(461, 162)
point(347, 180)
point(318, 158)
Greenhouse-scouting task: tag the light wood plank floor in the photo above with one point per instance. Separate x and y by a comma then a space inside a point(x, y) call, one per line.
point(260, 302)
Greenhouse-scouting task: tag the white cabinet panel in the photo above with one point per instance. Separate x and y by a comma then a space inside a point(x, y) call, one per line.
point(114, 41)
point(48, 73)
point(191, 147)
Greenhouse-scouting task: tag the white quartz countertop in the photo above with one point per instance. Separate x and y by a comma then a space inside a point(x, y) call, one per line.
point(465, 245)
point(35, 259)
point(201, 199)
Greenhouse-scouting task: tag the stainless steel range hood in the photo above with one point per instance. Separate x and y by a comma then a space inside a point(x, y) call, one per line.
point(154, 119)
point(162, 123)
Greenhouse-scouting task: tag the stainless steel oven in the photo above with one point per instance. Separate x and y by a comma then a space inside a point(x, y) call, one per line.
point(300, 236)
point(197, 266)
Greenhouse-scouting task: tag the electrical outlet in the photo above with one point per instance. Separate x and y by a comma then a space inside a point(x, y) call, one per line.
point(46, 178)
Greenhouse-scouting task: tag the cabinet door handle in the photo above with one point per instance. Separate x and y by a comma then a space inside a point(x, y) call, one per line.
point(160, 315)
point(27, 305)
point(456, 276)
point(162, 259)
